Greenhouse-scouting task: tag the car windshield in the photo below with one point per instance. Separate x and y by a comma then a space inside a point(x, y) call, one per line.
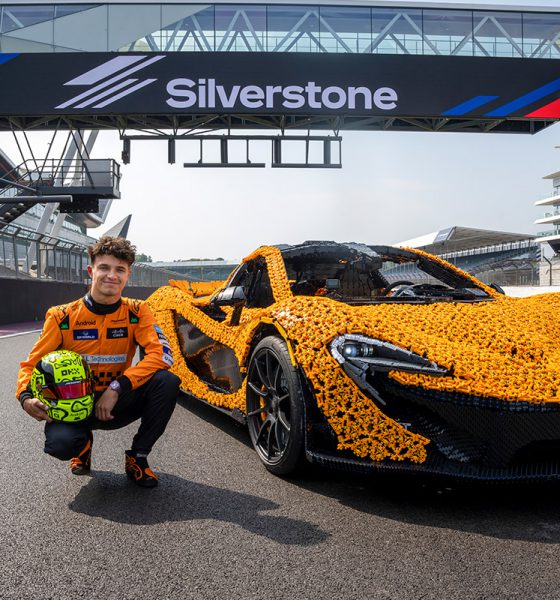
point(355, 274)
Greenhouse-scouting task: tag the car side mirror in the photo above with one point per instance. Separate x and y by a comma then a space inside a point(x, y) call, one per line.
point(230, 296)
point(498, 288)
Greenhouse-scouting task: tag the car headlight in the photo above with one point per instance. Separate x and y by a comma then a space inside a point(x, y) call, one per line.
point(377, 355)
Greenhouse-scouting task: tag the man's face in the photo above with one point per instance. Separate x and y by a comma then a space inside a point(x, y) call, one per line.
point(108, 278)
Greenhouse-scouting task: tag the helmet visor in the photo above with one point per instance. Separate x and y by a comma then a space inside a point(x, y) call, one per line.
point(73, 389)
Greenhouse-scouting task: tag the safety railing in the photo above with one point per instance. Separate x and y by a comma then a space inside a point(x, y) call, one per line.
point(528, 244)
point(550, 196)
point(549, 233)
point(554, 213)
point(81, 173)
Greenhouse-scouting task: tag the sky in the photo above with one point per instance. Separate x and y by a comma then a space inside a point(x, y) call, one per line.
point(393, 186)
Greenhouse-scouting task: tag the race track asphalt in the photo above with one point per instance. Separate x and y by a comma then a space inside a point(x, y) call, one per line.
point(220, 526)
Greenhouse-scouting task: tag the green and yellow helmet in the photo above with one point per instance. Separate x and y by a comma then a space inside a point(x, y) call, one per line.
point(63, 381)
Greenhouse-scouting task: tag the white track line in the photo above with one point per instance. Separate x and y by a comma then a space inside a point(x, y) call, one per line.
point(21, 333)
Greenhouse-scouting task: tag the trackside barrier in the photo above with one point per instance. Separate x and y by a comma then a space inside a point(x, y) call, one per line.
point(24, 300)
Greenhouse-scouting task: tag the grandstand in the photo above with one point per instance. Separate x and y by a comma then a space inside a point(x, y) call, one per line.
point(507, 259)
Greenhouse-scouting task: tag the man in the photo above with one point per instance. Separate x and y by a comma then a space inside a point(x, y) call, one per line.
point(106, 329)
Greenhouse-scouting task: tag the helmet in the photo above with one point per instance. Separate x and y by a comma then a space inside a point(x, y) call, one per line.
point(63, 381)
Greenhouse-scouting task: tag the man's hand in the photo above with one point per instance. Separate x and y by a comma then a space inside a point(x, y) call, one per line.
point(105, 405)
point(37, 409)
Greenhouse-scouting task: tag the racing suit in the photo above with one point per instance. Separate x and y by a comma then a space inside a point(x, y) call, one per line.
point(107, 336)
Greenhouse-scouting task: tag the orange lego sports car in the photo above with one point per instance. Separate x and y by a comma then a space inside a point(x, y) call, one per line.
point(373, 357)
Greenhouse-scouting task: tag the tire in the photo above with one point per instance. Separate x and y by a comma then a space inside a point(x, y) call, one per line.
point(275, 408)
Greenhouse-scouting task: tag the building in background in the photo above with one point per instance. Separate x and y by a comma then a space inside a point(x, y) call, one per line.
point(550, 238)
point(500, 257)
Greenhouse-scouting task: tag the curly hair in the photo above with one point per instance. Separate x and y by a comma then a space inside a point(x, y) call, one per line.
point(118, 247)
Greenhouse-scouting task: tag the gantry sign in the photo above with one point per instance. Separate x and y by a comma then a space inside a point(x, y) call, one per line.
point(253, 90)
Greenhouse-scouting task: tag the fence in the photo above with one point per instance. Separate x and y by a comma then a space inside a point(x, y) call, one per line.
point(27, 254)
point(509, 264)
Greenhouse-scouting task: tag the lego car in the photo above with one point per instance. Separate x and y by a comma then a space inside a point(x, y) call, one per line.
point(372, 358)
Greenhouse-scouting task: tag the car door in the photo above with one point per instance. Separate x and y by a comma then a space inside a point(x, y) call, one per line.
point(213, 362)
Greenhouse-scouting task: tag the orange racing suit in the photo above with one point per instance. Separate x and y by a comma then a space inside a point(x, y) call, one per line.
point(108, 342)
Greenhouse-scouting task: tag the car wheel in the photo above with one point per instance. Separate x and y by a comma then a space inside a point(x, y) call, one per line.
point(275, 408)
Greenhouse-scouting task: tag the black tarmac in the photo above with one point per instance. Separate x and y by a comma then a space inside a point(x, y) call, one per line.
point(220, 526)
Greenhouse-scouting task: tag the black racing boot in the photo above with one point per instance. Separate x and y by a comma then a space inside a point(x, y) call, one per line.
point(81, 464)
point(139, 471)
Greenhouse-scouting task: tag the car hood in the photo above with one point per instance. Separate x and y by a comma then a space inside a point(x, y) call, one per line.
point(506, 348)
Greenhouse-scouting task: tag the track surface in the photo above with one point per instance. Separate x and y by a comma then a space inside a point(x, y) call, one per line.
point(220, 526)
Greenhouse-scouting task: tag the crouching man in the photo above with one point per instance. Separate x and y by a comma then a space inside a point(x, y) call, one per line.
point(106, 329)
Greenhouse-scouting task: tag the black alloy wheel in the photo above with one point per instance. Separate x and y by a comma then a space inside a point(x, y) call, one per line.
point(275, 409)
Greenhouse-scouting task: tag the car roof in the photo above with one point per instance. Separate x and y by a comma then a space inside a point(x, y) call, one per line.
point(351, 250)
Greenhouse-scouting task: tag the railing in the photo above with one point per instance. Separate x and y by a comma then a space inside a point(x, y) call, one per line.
point(525, 274)
point(513, 263)
point(9, 192)
point(60, 260)
point(554, 194)
point(526, 244)
point(548, 233)
point(46, 173)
